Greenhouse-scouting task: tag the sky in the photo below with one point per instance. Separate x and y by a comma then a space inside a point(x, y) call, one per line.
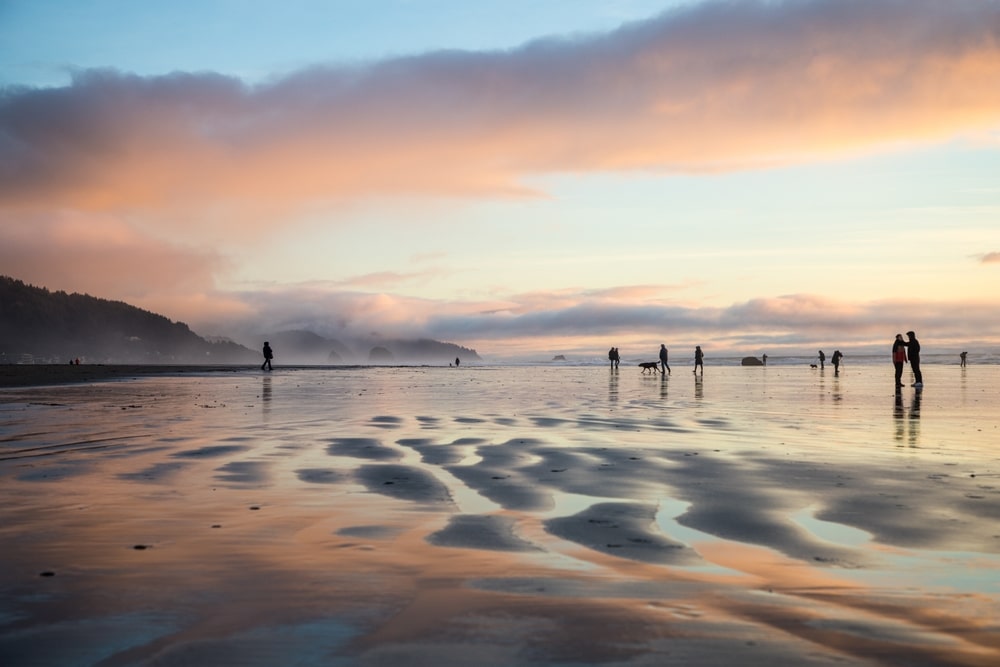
point(523, 177)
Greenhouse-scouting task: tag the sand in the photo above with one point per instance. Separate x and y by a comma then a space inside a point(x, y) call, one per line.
point(501, 516)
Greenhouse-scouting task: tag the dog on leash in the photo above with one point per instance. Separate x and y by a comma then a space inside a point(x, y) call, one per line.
point(650, 366)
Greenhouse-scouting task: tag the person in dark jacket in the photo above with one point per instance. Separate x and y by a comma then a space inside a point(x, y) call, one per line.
point(899, 358)
point(268, 355)
point(913, 350)
point(699, 359)
point(663, 359)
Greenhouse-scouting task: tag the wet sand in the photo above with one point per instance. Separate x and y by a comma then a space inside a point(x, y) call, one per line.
point(502, 516)
point(16, 375)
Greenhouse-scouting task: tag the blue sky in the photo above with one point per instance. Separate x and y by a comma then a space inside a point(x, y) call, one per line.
point(519, 177)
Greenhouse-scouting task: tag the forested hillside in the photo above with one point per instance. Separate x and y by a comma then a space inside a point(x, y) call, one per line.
point(39, 326)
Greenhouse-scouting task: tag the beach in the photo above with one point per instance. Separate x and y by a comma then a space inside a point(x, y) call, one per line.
point(528, 515)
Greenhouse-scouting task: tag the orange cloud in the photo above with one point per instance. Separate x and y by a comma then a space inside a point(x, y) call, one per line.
point(102, 256)
point(716, 86)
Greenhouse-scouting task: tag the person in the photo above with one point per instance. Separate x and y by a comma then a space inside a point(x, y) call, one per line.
point(913, 352)
point(611, 357)
point(962, 357)
point(899, 358)
point(699, 359)
point(268, 355)
point(822, 358)
point(618, 357)
point(837, 356)
point(458, 362)
point(663, 359)
point(764, 357)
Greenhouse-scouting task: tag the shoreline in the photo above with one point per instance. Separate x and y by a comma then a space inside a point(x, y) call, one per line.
point(42, 375)
point(39, 375)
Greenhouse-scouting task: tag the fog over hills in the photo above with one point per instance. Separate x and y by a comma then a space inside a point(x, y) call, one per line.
point(305, 347)
point(39, 326)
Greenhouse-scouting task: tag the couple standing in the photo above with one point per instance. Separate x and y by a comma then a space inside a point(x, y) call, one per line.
point(901, 349)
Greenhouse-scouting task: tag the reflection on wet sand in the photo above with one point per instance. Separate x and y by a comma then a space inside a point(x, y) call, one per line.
point(504, 517)
point(907, 423)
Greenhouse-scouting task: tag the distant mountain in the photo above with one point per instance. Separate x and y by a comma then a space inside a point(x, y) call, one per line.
point(305, 347)
point(40, 326)
point(426, 351)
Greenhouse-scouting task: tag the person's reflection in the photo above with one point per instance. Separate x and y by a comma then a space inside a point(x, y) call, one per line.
point(915, 417)
point(698, 390)
point(899, 414)
point(613, 385)
point(664, 385)
point(265, 395)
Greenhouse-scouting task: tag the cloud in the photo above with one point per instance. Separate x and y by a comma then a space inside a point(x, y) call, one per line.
point(102, 256)
point(385, 279)
point(713, 86)
point(580, 322)
point(990, 258)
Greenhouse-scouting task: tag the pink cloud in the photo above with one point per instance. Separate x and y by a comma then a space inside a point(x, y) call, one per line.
point(102, 256)
point(991, 258)
point(577, 321)
point(713, 86)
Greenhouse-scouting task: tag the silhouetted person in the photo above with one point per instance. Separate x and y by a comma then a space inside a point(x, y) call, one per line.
point(899, 358)
point(913, 350)
point(764, 357)
point(822, 358)
point(618, 358)
point(458, 362)
point(837, 356)
point(699, 359)
point(663, 359)
point(268, 355)
point(962, 356)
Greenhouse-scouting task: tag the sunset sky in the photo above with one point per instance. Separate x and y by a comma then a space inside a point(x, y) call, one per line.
point(524, 177)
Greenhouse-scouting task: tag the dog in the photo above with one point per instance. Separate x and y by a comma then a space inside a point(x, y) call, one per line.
point(650, 366)
point(813, 366)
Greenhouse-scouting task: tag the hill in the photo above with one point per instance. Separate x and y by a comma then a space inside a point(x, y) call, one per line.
point(39, 326)
point(305, 347)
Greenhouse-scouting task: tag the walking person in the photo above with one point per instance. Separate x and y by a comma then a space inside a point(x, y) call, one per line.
point(268, 355)
point(699, 359)
point(899, 358)
point(913, 352)
point(618, 358)
point(663, 359)
point(822, 358)
point(962, 356)
point(837, 356)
